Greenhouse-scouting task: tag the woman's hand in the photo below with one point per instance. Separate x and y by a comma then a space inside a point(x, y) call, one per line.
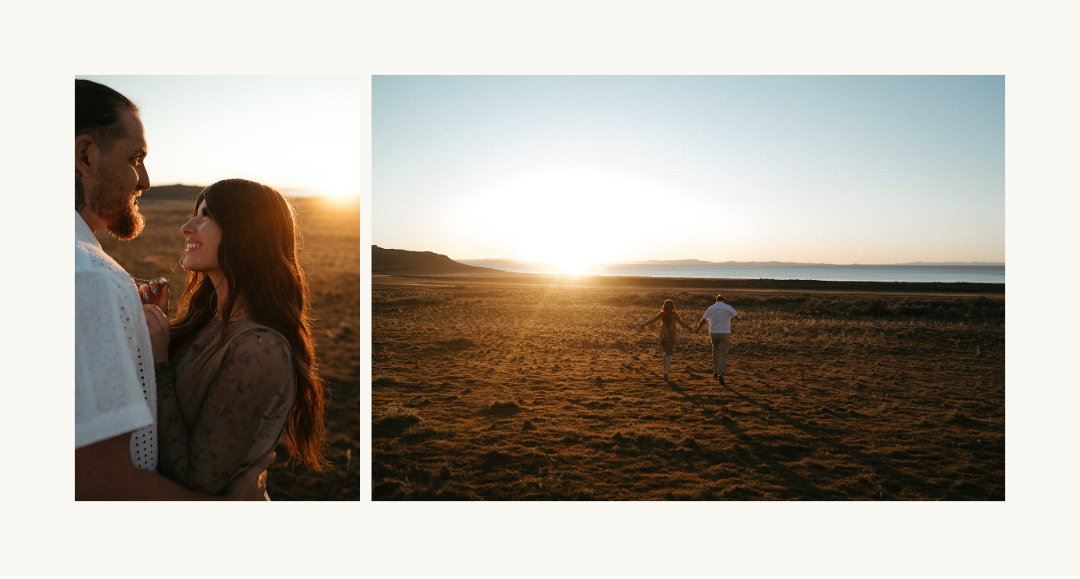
point(158, 325)
point(156, 293)
point(250, 485)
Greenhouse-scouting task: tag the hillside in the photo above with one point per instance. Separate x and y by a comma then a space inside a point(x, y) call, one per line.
point(173, 192)
point(404, 262)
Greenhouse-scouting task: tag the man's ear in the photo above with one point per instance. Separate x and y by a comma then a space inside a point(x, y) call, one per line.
point(86, 152)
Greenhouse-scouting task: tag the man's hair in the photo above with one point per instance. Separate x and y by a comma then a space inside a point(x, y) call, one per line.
point(97, 113)
point(719, 298)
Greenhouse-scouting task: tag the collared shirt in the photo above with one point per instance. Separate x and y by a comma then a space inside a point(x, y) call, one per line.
point(719, 317)
point(115, 390)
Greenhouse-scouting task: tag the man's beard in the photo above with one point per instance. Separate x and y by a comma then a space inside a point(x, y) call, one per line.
point(119, 210)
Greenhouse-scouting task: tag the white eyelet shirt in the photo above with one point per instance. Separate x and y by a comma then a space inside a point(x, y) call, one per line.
point(115, 390)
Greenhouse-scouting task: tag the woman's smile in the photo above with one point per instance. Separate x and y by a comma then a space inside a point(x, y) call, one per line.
point(200, 232)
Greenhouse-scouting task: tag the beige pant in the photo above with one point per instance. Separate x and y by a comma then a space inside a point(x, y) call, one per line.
point(720, 343)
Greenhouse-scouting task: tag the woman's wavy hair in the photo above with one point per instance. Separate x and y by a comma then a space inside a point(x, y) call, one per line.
point(667, 311)
point(258, 257)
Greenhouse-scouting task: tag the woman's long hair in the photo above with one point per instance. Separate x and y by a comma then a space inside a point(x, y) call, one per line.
point(667, 312)
point(258, 257)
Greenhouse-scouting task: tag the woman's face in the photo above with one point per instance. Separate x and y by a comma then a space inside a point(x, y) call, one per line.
point(202, 236)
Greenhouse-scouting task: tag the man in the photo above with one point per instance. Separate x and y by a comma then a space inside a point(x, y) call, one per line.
point(719, 316)
point(115, 391)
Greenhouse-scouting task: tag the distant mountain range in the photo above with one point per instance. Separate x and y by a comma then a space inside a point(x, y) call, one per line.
point(173, 192)
point(182, 192)
point(956, 263)
point(525, 266)
point(405, 262)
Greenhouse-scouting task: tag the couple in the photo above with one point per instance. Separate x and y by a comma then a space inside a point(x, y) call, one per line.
point(189, 408)
point(718, 316)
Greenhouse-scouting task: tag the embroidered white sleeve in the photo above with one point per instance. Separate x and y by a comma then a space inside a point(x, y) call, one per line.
point(110, 368)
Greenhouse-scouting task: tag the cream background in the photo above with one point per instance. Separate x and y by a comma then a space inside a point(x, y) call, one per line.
point(45, 532)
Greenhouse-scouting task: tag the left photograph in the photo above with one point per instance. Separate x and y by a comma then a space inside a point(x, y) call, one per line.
point(217, 287)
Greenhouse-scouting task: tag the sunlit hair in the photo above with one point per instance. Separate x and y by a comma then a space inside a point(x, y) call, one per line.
point(667, 311)
point(258, 258)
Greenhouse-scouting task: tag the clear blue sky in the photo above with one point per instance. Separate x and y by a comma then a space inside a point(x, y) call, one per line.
point(300, 134)
point(608, 168)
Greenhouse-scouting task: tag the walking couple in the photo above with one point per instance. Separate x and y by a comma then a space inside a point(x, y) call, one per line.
point(192, 407)
point(718, 316)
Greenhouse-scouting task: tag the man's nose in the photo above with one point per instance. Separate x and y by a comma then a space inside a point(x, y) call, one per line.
point(144, 178)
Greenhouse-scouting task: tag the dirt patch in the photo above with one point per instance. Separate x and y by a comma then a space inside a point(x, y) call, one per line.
point(503, 409)
point(455, 344)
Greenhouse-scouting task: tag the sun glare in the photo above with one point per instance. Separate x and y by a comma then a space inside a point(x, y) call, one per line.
point(569, 221)
point(339, 198)
point(335, 189)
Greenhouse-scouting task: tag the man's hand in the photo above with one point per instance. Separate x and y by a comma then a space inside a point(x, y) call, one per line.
point(250, 485)
point(158, 325)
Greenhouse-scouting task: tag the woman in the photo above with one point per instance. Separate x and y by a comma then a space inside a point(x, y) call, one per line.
point(236, 370)
point(668, 318)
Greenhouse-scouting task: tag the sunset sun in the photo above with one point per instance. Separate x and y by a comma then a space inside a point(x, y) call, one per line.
point(568, 220)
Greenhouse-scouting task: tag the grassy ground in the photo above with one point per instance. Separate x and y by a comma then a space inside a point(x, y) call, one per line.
point(490, 390)
point(330, 256)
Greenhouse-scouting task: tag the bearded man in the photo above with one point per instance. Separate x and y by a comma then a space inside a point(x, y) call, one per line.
point(115, 390)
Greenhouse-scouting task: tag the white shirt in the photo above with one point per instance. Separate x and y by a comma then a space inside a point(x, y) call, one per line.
point(115, 391)
point(719, 317)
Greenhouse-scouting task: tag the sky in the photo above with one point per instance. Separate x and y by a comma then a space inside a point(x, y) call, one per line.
point(580, 170)
point(301, 134)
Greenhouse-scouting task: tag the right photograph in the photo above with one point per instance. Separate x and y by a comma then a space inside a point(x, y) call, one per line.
point(688, 288)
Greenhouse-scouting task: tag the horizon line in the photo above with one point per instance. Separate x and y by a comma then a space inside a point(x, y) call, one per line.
point(289, 191)
point(711, 262)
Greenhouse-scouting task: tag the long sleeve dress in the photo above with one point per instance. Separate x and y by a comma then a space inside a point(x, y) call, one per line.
point(219, 409)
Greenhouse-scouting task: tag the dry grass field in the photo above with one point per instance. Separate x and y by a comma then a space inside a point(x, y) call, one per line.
point(484, 389)
point(331, 260)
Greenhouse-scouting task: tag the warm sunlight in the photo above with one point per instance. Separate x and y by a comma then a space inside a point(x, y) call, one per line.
point(340, 202)
point(338, 197)
point(207, 128)
point(570, 220)
point(575, 170)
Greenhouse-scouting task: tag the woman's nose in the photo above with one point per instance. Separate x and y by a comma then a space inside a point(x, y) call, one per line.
point(186, 228)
